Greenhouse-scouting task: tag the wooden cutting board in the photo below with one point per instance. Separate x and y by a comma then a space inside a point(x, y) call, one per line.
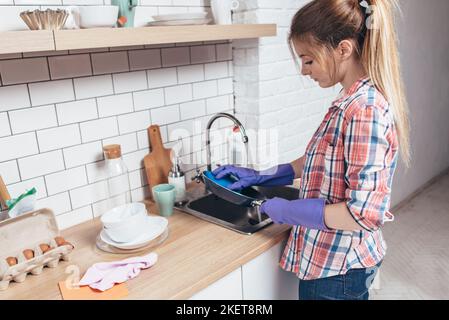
point(158, 162)
point(4, 194)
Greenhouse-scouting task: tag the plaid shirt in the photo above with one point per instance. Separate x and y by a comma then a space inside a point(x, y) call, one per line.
point(351, 158)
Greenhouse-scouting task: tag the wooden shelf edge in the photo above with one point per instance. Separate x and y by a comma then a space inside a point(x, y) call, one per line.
point(26, 41)
point(34, 41)
point(101, 38)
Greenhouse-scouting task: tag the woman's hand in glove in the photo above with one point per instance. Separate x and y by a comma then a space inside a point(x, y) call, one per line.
point(277, 176)
point(308, 213)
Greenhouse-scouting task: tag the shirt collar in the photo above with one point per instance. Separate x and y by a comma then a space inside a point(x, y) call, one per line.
point(344, 95)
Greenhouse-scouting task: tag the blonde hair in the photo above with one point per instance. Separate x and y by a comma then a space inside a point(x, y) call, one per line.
point(371, 24)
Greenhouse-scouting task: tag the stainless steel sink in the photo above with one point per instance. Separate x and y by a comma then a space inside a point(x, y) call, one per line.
point(241, 219)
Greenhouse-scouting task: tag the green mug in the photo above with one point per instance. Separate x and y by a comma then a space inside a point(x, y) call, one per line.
point(164, 195)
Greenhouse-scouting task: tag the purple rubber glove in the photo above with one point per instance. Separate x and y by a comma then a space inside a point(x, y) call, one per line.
point(277, 176)
point(308, 213)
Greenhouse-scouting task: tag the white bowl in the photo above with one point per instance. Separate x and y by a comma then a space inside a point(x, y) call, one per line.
point(98, 16)
point(125, 223)
point(116, 216)
point(154, 227)
point(129, 230)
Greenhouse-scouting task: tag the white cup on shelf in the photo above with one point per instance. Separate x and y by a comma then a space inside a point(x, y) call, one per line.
point(222, 10)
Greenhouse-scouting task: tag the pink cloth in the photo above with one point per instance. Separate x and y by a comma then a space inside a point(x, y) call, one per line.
point(102, 276)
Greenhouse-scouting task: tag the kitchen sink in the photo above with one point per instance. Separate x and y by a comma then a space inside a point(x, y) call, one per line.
point(241, 219)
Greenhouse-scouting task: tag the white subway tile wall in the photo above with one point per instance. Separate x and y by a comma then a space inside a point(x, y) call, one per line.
point(51, 92)
point(14, 97)
point(111, 95)
point(58, 138)
point(34, 119)
point(10, 172)
point(58, 109)
point(5, 129)
point(41, 164)
point(90, 87)
point(133, 122)
point(270, 96)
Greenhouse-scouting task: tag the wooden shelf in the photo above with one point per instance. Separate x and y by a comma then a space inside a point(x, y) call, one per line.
point(32, 41)
point(26, 41)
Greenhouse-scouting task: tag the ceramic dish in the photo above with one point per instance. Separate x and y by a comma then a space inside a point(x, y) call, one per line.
point(180, 16)
point(101, 246)
point(180, 22)
point(116, 216)
point(156, 226)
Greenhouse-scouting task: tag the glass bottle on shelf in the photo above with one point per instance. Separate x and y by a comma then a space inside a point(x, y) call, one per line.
point(118, 186)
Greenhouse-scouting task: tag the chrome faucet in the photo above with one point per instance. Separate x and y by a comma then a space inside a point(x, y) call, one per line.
point(237, 125)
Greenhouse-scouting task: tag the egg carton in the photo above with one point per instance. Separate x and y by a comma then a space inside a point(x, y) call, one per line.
point(31, 231)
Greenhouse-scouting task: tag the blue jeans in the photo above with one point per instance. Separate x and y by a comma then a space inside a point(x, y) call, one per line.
point(354, 285)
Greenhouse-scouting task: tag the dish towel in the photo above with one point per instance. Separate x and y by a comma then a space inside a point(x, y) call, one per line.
point(102, 276)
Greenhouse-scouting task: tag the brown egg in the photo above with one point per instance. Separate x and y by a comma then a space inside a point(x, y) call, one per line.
point(11, 261)
point(28, 253)
point(60, 241)
point(44, 247)
point(68, 244)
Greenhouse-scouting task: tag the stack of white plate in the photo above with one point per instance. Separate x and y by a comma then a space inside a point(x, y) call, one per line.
point(129, 227)
point(180, 19)
point(155, 227)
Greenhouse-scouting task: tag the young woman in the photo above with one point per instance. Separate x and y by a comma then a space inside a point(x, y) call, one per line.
point(336, 245)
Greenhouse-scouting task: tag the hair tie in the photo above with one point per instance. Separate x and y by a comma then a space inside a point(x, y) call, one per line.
point(365, 7)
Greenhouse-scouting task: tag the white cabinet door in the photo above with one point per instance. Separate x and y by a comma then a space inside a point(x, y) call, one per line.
point(263, 279)
point(227, 288)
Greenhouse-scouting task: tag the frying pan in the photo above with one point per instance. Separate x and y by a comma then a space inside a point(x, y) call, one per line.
point(249, 197)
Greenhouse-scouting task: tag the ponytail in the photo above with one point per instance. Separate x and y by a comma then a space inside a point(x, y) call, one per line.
point(380, 58)
point(371, 24)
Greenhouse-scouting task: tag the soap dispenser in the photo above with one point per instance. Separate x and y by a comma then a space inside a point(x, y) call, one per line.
point(177, 178)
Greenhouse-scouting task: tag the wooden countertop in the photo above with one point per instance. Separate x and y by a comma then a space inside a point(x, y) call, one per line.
point(195, 254)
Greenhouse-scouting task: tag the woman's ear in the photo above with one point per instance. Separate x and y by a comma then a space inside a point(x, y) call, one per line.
point(345, 50)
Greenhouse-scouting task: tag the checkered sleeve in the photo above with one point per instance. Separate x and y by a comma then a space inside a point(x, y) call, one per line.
point(367, 148)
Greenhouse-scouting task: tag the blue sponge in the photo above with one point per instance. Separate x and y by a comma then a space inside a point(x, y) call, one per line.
point(225, 182)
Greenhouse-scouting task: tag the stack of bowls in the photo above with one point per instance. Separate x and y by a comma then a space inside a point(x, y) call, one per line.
point(125, 223)
point(129, 226)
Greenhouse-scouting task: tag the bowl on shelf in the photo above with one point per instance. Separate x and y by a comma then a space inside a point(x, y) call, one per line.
point(45, 19)
point(98, 16)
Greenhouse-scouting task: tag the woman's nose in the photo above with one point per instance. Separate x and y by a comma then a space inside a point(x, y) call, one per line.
point(304, 70)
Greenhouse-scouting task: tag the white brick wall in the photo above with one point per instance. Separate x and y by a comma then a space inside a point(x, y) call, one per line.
point(269, 92)
point(14, 97)
point(51, 92)
point(57, 110)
